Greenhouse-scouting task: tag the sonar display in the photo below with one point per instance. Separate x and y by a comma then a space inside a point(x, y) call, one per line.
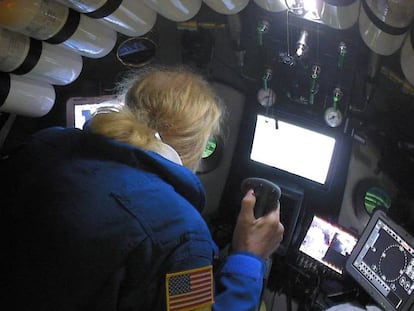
point(383, 263)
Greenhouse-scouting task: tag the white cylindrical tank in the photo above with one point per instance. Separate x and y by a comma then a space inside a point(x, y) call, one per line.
point(25, 97)
point(57, 24)
point(339, 14)
point(227, 7)
point(130, 17)
point(38, 60)
point(92, 39)
point(175, 10)
point(272, 5)
point(383, 24)
point(407, 57)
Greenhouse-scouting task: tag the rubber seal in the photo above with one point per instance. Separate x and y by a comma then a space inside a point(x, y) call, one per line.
point(32, 58)
point(68, 29)
point(108, 8)
point(396, 31)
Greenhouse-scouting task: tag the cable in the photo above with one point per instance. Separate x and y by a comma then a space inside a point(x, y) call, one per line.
point(315, 291)
point(317, 48)
point(5, 130)
point(287, 32)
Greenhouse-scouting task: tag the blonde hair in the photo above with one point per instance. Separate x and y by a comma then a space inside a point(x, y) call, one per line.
point(176, 103)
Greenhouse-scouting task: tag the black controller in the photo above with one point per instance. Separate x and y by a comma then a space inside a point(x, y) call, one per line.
point(267, 194)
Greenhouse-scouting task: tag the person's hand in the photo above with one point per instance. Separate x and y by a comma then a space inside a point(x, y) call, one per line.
point(261, 236)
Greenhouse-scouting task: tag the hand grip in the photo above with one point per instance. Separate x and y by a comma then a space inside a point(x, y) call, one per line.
point(267, 194)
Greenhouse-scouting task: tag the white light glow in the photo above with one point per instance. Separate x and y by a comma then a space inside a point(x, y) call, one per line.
point(310, 5)
point(308, 8)
point(292, 149)
point(307, 4)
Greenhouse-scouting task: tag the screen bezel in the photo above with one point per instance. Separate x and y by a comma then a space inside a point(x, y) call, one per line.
point(359, 277)
point(339, 270)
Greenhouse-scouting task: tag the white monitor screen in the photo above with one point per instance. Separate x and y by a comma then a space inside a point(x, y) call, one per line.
point(80, 109)
point(292, 148)
point(328, 244)
point(84, 112)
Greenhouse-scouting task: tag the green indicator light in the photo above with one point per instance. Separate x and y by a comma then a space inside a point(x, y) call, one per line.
point(376, 197)
point(210, 148)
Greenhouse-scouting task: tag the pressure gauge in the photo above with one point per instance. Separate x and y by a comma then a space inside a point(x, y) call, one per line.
point(333, 117)
point(266, 97)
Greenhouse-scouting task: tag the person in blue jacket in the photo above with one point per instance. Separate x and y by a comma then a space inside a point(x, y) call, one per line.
point(109, 217)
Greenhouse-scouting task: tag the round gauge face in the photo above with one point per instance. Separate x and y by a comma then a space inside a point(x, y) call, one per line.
point(266, 97)
point(333, 117)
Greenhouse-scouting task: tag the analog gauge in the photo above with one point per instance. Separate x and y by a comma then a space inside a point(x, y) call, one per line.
point(266, 97)
point(333, 117)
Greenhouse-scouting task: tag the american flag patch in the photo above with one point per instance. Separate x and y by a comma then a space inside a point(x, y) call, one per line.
point(189, 290)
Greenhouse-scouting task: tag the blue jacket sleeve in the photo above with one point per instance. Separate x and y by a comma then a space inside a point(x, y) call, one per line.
point(239, 283)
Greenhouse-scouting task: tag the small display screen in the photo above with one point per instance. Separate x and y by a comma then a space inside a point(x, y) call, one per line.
point(383, 263)
point(292, 148)
point(80, 109)
point(328, 244)
point(210, 148)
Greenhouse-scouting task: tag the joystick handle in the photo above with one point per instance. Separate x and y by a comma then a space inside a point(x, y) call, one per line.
point(267, 194)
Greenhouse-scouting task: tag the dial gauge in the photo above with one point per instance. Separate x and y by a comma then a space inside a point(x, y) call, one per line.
point(333, 117)
point(266, 97)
